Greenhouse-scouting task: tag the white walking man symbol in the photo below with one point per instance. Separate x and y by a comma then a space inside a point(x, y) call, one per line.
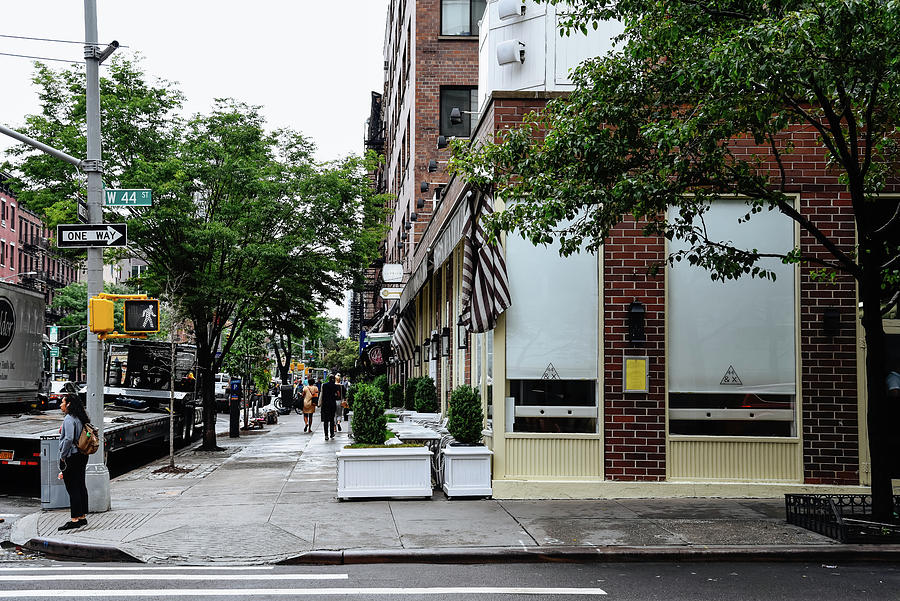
point(148, 317)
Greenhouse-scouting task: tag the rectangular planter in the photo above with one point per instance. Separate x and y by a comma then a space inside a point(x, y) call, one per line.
point(467, 471)
point(384, 472)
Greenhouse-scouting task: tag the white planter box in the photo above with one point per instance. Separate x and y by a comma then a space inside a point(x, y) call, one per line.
point(467, 471)
point(384, 472)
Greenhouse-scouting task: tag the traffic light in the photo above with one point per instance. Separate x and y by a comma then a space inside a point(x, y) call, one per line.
point(102, 318)
point(142, 316)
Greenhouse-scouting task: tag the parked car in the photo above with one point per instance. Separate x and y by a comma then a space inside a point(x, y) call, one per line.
point(220, 386)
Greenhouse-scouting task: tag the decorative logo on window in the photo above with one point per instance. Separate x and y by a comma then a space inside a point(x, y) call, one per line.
point(7, 323)
point(550, 373)
point(731, 378)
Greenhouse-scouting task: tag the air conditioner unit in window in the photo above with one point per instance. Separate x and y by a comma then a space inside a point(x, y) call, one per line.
point(507, 9)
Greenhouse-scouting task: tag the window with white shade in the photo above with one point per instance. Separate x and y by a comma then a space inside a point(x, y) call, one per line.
point(732, 349)
point(461, 17)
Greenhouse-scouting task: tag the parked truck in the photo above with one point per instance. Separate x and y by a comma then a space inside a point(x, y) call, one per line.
point(21, 340)
point(136, 400)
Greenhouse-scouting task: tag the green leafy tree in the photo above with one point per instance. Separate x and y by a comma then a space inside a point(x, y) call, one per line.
point(664, 122)
point(369, 421)
point(342, 358)
point(381, 383)
point(465, 416)
point(426, 395)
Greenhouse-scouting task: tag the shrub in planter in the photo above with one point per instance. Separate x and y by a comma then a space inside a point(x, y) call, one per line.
point(409, 399)
point(369, 421)
point(426, 396)
point(381, 383)
point(465, 417)
point(396, 394)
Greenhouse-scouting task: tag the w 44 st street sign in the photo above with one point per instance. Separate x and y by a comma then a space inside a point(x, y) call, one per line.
point(82, 235)
point(128, 198)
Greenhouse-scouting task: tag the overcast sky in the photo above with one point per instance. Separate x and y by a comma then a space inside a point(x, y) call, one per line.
point(310, 64)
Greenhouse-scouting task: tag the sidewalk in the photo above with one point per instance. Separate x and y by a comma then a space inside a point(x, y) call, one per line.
point(269, 497)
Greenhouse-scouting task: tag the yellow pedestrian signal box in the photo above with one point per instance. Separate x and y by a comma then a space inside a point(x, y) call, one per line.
point(102, 318)
point(141, 316)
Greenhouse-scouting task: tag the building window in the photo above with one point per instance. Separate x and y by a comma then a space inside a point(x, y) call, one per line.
point(732, 355)
point(466, 100)
point(461, 17)
point(554, 406)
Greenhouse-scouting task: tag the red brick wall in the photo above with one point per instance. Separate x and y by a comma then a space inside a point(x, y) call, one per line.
point(634, 423)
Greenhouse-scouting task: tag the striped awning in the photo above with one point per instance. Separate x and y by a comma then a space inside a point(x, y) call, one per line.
point(403, 339)
point(485, 285)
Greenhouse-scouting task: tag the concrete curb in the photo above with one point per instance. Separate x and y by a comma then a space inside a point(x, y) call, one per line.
point(829, 553)
point(78, 550)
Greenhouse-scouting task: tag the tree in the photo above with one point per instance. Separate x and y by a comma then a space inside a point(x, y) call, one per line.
point(342, 358)
point(666, 120)
point(244, 216)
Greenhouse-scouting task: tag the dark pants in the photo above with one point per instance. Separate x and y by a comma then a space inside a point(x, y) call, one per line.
point(328, 423)
point(73, 476)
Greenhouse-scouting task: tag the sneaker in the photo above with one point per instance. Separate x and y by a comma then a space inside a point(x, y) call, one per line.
point(71, 525)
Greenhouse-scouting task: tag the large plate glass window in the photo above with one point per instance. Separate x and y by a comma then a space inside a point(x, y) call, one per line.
point(732, 356)
point(461, 17)
point(463, 98)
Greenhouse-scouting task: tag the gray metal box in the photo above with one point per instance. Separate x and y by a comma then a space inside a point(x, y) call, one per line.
point(53, 490)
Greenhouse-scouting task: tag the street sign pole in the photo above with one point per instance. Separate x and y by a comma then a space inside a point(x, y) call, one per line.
point(96, 474)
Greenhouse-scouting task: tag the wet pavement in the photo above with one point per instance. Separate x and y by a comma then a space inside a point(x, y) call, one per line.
point(269, 497)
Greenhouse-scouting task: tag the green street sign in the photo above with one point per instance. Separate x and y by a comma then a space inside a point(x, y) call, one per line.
point(54, 351)
point(127, 198)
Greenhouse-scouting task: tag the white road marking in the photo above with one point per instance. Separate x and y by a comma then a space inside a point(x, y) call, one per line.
point(111, 577)
point(134, 568)
point(333, 592)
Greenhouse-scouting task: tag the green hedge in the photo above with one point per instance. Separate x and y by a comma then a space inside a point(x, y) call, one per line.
point(465, 417)
point(426, 396)
point(369, 421)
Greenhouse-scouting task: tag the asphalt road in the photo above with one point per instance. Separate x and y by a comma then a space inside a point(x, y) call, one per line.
point(552, 581)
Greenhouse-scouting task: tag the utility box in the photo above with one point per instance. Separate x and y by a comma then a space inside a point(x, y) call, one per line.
point(53, 490)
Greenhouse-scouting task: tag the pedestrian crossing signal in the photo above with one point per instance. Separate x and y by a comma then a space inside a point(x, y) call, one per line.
point(142, 316)
point(101, 316)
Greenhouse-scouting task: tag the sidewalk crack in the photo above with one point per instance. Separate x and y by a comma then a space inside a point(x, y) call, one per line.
point(521, 527)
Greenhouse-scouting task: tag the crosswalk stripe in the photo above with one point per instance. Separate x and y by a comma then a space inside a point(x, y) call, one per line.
point(332, 592)
point(138, 577)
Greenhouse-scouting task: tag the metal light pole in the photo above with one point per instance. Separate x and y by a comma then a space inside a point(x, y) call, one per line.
point(96, 476)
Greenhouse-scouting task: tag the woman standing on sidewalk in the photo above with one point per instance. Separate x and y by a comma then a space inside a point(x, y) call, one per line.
point(72, 462)
point(310, 399)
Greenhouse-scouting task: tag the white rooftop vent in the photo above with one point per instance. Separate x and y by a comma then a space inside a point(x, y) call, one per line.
point(506, 9)
point(510, 51)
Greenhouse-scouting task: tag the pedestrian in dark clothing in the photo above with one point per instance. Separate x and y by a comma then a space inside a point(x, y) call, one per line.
point(328, 400)
point(72, 462)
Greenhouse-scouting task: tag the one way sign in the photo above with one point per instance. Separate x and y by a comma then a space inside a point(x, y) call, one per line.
point(86, 236)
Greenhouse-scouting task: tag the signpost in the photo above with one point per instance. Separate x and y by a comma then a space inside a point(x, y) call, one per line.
point(128, 198)
point(54, 351)
point(104, 235)
point(391, 293)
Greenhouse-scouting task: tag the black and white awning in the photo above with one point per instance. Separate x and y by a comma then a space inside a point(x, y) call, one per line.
point(404, 338)
point(485, 285)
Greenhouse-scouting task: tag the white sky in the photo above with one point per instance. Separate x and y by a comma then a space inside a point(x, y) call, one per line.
point(310, 64)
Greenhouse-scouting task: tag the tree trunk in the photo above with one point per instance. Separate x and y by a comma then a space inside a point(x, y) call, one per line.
point(207, 389)
point(880, 430)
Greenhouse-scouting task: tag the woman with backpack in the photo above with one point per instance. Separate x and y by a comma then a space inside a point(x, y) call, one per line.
point(72, 462)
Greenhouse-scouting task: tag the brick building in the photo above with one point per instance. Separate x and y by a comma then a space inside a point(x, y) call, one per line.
point(603, 380)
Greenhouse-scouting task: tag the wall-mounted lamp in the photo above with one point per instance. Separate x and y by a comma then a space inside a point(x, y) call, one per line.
point(420, 203)
point(426, 349)
point(456, 115)
point(462, 334)
point(404, 236)
point(445, 342)
point(636, 315)
point(417, 356)
point(442, 142)
point(407, 225)
point(507, 9)
point(413, 217)
point(435, 344)
point(433, 165)
point(510, 51)
point(831, 322)
point(423, 187)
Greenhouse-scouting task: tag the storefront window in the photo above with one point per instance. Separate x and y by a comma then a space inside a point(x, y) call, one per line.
point(554, 406)
point(732, 358)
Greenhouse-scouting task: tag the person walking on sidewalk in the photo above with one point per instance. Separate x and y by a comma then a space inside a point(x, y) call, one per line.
point(341, 400)
point(328, 400)
point(72, 462)
point(310, 399)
